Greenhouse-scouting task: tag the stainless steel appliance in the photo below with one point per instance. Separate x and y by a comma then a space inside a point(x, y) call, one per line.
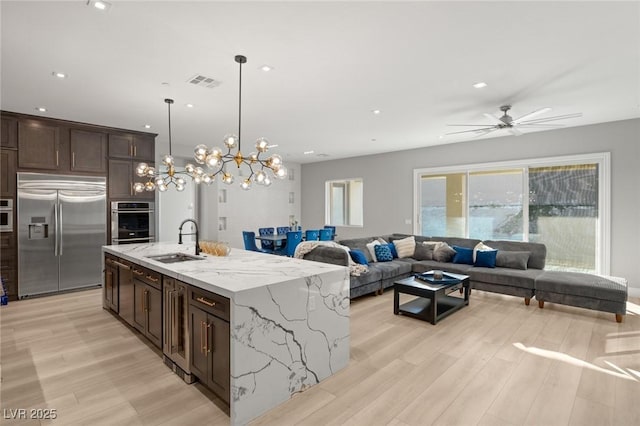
point(176, 340)
point(61, 229)
point(132, 222)
point(6, 215)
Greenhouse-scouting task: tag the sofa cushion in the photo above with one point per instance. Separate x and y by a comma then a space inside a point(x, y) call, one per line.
point(359, 244)
point(371, 248)
point(585, 285)
point(485, 258)
point(358, 257)
point(424, 251)
point(463, 255)
point(456, 241)
point(538, 251)
point(391, 269)
point(504, 276)
point(383, 253)
point(480, 247)
point(430, 265)
point(512, 259)
point(371, 276)
point(394, 252)
point(405, 246)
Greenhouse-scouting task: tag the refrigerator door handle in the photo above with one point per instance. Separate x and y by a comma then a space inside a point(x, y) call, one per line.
point(56, 223)
point(60, 232)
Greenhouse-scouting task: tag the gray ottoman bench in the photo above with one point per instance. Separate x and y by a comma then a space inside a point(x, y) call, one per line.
point(608, 294)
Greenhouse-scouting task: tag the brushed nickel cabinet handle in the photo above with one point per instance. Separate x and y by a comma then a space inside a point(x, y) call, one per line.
point(150, 278)
point(137, 272)
point(135, 151)
point(206, 302)
point(213, 334)
point(73, 159)
point(122, 265)
point(203, 348)
point(208, 327)
point(57, 158)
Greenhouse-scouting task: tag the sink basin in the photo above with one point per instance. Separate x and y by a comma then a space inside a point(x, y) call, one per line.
point(174, 257)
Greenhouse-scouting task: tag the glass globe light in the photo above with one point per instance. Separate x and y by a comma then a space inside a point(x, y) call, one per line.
point(200, 153)
point(227, 178)
point(267, 181)
point(199, 171)
point(167, 160)
point(149, 186)
point(230, 140)
point(141, 170)
point(189, 168)
point(207, 179)
point(246, 184)
point(138, 187)
point(151, 171)
point(281, 173)
point(180, 181)
point(262, 145)
point(275, 160)
point(159, 181)
point(253, 157)
point(212, 160)
point(259, 177)
point(162, 187)
point(179, 188)
point(197, 179)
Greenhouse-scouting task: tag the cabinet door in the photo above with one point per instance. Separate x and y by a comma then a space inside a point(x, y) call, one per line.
point(144, 147)
point(126, 293)
point(8, 173)
point(88, 151)
point(154, 316)
point(38, 145)
point(218, 348)
point(9, 134)
point(199, 355)
point(121, 146)
point(110, 281)
point(139, 308)
point(120, 175)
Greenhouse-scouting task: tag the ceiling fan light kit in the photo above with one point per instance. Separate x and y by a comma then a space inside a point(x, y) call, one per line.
point(513, 126)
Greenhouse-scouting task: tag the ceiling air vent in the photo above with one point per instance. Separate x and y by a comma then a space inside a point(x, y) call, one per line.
point(203, 81)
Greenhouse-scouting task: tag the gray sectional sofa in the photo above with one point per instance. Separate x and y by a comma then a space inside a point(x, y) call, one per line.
point(515, 278)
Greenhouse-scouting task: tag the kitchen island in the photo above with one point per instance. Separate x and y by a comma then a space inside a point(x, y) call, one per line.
point(288, 319)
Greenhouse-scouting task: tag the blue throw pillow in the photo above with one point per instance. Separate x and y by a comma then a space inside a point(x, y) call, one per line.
point(383, 253)
point(358, 257)
point(463, 255)
point(486, 258)
point(394, 252)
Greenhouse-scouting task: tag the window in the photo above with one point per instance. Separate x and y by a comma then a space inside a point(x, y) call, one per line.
point(561, 202)
point(343, 201)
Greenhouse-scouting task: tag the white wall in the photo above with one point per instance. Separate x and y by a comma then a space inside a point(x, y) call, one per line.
point(173, 207)
point(388, 181)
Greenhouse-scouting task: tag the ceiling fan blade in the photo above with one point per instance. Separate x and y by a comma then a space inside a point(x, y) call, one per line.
point(531, 115)
point(484, 132)
point(545, 126)
point(554, 118)
point(514, 131)
point(493, 118)
point(474, 130)
point(469, 125)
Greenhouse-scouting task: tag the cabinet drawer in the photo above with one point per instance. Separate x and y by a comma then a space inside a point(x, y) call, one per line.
point(209, 302)
point(147, 276)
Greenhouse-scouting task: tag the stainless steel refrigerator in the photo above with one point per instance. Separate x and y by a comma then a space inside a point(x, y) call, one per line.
point(61, 228)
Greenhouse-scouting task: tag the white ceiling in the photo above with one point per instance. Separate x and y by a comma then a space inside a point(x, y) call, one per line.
point(333, 63)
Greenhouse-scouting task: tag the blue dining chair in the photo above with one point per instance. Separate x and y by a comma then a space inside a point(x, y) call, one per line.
point(266, 245)
point(283, 229)
point(249, 239)
point(293, 239)
point(326, 235)
point(311, 234)
point(333, 231)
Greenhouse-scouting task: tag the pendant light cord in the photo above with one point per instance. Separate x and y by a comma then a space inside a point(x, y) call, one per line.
point(169, 102)
point(240, 108)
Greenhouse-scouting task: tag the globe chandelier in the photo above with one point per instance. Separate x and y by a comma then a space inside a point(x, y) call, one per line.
point(162, 180)
point(218, 162)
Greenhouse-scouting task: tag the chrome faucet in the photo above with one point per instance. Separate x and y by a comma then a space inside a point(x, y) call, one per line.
point(180, 234)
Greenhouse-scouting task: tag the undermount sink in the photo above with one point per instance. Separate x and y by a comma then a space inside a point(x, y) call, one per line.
point(174, 257)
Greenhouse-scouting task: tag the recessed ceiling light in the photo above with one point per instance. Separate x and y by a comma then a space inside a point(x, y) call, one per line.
point(41, 109)
point(480, 85)
point(376, 111)
point(441, 137)
point(189, 105)
point(308, 152)
point(59, 74)
point(266, 68)
point(99, 4)
point(147, 126)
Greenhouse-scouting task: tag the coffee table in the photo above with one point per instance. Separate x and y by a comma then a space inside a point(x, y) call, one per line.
point(433, 302)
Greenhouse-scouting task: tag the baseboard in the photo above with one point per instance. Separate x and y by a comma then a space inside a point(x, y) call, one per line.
point(633, 292)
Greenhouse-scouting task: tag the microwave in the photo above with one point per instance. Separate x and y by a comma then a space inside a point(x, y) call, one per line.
point(6, 215)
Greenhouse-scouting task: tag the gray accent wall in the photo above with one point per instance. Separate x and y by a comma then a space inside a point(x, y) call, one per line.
point(388, 181)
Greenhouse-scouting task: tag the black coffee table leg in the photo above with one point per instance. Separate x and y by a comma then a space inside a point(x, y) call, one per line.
point(396, 301)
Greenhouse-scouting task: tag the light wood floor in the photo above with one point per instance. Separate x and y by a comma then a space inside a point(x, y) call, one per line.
point(495, 362)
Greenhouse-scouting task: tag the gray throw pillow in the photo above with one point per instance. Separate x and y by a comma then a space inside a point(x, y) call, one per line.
point(443, 253)
point(512, 259)
point(423, 252)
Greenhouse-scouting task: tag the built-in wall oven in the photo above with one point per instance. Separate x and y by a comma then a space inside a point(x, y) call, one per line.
point(132, 222)
point(6, 215)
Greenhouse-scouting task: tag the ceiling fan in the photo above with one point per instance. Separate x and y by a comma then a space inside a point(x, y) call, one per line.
point(512, 125)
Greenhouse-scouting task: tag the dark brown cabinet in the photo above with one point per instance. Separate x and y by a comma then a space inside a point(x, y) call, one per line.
point(88, 151)
point(110, 288)
point(210, 341)
point(9, 134)
point(39, 145)
point(8, 263)
point(122, 176)
point(147, 311)
point(8, 163)
point(176, 341)
point(137, 147)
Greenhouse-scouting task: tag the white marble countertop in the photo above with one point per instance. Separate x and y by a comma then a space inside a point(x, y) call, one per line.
point(227, 275)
